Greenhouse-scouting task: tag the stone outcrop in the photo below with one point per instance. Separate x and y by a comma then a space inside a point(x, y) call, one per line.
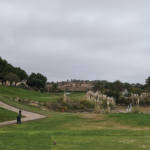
point(136, 99)
point(100, 99)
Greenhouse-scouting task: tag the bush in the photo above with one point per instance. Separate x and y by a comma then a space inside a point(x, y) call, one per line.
point(70, 106)
point(136, 110)
point(104, 105)
point(87, 104)
point(97, 109)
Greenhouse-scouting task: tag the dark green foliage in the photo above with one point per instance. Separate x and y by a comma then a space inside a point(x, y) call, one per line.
point(147, 84)
point(54, 87)
point(16, 74)
point(21, 73)
point(115, 89)
point(100, 85)
point(11, 77)
point(6, 68)
point(2, 77)
point(36, 80)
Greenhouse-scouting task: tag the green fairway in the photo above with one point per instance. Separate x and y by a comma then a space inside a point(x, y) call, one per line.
point(40, 135)
point(132, 119)
point(73, 131)
point(6, 115)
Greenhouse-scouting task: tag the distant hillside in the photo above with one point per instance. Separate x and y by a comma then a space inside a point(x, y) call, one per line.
point(72, 86)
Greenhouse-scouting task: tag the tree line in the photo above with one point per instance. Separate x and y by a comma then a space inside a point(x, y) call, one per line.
point(116, 89)
point(15, 74)
point(38, 81)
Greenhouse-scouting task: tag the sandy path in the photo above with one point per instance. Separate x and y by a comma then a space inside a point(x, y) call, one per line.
point(28, 116)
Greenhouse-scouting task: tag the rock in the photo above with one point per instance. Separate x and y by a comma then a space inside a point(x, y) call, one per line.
point(17, 99)
point(34, 103)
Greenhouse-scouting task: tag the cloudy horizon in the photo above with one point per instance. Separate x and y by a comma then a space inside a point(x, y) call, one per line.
point(88, 39)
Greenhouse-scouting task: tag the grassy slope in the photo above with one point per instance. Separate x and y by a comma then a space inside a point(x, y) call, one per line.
point(6, 115)
point(27, 94)
point(77, 132)
point(37, 96)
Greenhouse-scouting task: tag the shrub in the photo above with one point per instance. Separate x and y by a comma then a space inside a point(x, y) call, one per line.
point(136, 110)
point(97, 109)
point(70, 105)
point(87, 104)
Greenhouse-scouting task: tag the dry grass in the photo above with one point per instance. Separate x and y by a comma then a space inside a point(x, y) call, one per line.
point(100, 121)
point(145, 109)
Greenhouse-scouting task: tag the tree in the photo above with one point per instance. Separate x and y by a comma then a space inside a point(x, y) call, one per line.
point(3, 66)
point(11, 77)
point(2, 77)
point(100, 85)
point(147, 84)
point(148, 81)
point(21, 73)
point(37, 80)
point(6, 68)
point(117, 85)
point(54, 87)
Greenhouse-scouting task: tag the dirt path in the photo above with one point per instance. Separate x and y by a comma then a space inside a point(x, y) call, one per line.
point(28, 116)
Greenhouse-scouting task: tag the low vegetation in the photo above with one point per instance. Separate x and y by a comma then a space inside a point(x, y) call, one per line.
point(71, 105)
point(52, 101)
point(6, 115)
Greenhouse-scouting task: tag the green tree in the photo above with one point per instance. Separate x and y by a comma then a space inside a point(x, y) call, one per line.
point(21, 73)
point(101, 85)
point(54, 87)
point(147, 84)
point(2, 78)
point(6, 68)
point(11, 77)
point(3, 64)
point(37, 80)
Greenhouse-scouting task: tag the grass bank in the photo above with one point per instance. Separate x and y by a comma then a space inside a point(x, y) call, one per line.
point(6, 115)
point(14, 92)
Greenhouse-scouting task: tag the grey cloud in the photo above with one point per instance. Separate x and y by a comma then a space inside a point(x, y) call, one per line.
point(88, 39)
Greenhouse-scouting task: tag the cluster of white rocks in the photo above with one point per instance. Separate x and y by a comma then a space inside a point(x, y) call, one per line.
point(100, 99)
point(136, 99)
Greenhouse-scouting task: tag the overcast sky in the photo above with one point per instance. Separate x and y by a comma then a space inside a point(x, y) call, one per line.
point(82, 39)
